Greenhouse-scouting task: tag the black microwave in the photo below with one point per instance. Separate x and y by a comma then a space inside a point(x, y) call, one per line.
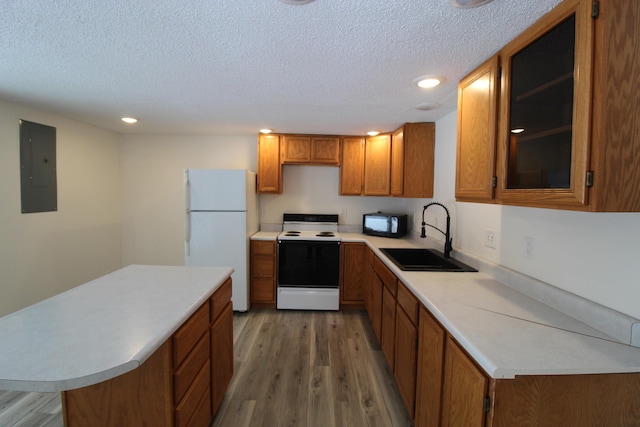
point(384, 224)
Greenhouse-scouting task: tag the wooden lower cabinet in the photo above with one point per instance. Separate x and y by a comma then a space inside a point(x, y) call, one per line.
point(388, 339)
point(464, 389)
point(384, 288)
point(376, 306)
point(406, 353)
point(139, 397)
point(352, 268)
point(450, 388)
point(367, 284)
point(566, 400)
point(263, 273)
point(442, 386)
point(221, 344)
point(180, 384)
point(431, 340)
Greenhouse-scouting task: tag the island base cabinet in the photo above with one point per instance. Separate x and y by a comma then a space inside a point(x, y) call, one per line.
point(221, 355)
point(181, 384)
point(139, 397)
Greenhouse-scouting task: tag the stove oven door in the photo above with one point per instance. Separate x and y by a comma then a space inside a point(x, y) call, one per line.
point(308, 264)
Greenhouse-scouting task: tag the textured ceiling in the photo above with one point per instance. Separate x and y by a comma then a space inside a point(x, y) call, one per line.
point(232, 67)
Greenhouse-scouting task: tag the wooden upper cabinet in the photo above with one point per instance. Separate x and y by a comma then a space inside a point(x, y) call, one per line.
point(545, 108)
point(311, 149)
point(566, 135)
point(615, 151)
point(477, 124)
point(269, 167)
point(412, 160)
point(296, 149)
point(377, 165)
point(397, 162)
point(325, 150)
point(352, 166)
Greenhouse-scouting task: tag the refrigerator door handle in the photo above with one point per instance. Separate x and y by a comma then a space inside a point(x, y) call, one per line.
point(187, 222)
point(187, 234)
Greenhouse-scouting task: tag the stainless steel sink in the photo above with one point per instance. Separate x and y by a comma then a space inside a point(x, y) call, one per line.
point(415, 259)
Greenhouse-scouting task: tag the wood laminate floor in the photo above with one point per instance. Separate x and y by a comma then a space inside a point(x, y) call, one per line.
point(30, 409)
point(292, 368)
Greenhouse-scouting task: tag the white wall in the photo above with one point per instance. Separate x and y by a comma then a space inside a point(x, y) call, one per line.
point(42, 254)
point(152, 188)
point(314, 189)
point(589, 254)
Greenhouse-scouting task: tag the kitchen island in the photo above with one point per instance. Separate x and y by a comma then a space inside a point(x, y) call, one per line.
point(143, 344)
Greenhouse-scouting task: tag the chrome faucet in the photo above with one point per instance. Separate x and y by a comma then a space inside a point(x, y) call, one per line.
point(447, 235)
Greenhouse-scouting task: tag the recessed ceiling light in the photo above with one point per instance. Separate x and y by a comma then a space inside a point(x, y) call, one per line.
point(517, 130)
point(265, 131)
point(129, 120)
point(373, 133)
point(427, 82)
point(468, 4)
point(296, 2)
point(427, 106)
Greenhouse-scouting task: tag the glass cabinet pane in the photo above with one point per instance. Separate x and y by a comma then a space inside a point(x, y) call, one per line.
point(541, 111)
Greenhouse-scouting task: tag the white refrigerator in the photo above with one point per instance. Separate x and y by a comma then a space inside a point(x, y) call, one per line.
point(221, 215)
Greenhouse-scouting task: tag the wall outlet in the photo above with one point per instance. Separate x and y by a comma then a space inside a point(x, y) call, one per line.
point(527, 250)
point(343, 214)
point(490, 238)
point(263, 212)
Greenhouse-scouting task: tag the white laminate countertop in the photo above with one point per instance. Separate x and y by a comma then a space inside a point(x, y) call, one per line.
point(102, 329)
point(506, 332)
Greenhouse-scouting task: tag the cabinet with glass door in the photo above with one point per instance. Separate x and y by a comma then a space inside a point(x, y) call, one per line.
point(564, 136)
point(544, 119)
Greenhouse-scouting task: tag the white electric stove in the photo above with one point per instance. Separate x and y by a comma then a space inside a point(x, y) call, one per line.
point(309, 262)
